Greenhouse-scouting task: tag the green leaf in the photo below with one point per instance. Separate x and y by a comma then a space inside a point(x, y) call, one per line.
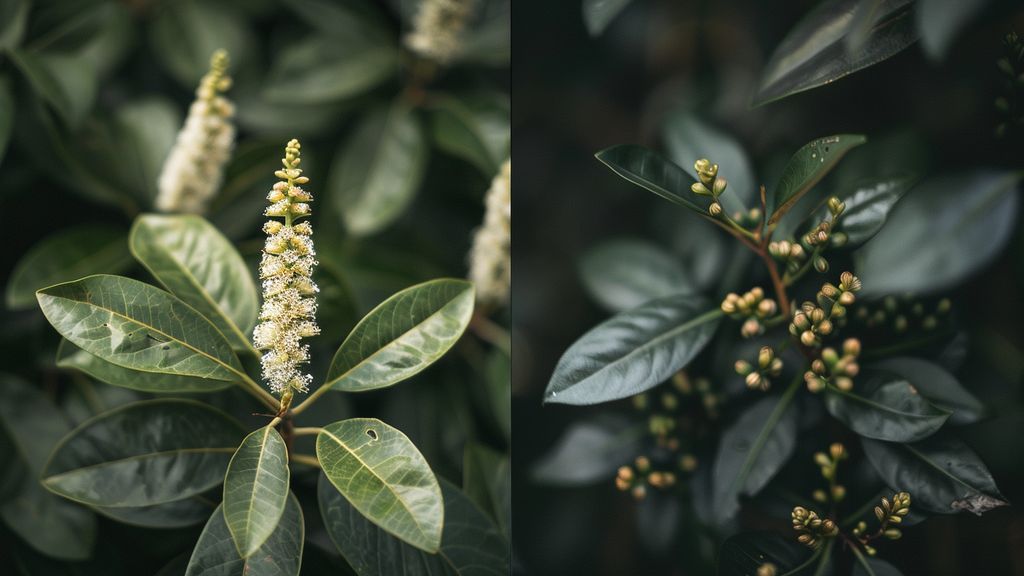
point(376, 173)
point(942, 474)
point(138, 326)
point(65, 256)
point(186, 33)
point(633, 351)
point(65, 82)
point(939, 22)
point(143, 454)
point(177, 514)
point(888, 409)
point(744, 553)
point(280, 555)
point(383, 475)
point(198, 264)
point(937, 385)
point(473, 127)
point(471, 545)
point(13, 18)
point(650, 170)
point(688, 139)
point(875, 567)
point(625, 273)
point(806, 168)
point(328, 68)
point(598, 14)
point(403, 335)
point(868, 207)
point(6, 115)
point(145, 131)
point(947, 229)
point(72, 357)
point(752, 450)
point(256, 489)
point(487, 480)
point(355, 18)
point(814, 53)
point(488, 41)
point(33, 425)
point(499, 390)
point(589, 452)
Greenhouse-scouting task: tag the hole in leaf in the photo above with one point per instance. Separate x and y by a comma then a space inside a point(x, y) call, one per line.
point(371, 433)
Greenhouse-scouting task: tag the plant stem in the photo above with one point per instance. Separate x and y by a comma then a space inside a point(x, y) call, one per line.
point(310, 399)
point(825, 556)
point(780, 286)
point(307, 431)
point(491, 332)
point(306, 459)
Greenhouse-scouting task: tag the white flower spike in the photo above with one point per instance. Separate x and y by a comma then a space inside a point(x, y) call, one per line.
point(437, 30)
point(490, 263)
point(193, 171)
point(289, 294)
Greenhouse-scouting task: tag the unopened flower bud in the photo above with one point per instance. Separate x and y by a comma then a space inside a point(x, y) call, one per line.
point(765, 357)
point(700, 189)
point(893, 533)
point(801, 321)
point(847, 298)
point(751, 328)
point(807, 338)
point(688, 463)
point(838, 492)
point(849, 282)
point(706, 171)
point(767, 307)
point(743, 367)
point(820, 264)
point(754, 380)
point(822, 459)
point(643, 464)
point(835, 206)
point(819, 496)
point(839, 239)
point(844, 383)
point(825, 327)
point(720, 185)
point(715, 209)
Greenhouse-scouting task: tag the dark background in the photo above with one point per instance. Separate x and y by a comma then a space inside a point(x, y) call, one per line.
point(575, 95)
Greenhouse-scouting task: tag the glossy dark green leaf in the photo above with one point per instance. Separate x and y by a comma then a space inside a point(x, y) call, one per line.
point(598, 14)
point(138, 326)
point(937, 385)
point(13, 17)
point(177, 514)
point(64, 256)
point(185, 34)
point(947, 229)
point(376, 173)
point(33, 425)
point(471, 544)
point(633, 351)
point(814, 53)
point(939, 22)
point(196, 263)
point(806, 168)
point(868, 206)
point(354, 18)
point(885, 407)
point(487, 480)
point(687, 139)
point(256, 489)
point(650, 170)
point(589, 452)
point(402, 336)
point(488, 41)
point(143, 454)
point(941, 473)
point(72, 357)
point(280, 555)
point(744, 553)
point(329, 68)
point(63, 81)
point(874, 567)
point(382, 474)
point(6, 115)
point(752, 450)
point(625, 273)
point(142, 131)
point(473, 127)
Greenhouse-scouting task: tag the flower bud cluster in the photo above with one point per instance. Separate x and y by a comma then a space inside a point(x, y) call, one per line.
point(902, 317)
point(490, 260)
point(792, 254)
point(194, 169)
point(288, 313)
point(752, 307)
point(829, 464)
point(759, 377)
point(438, 27)
point(815, 319)
point(890, 512)
point(635, 479)
point(811, 527)
point(709, 184)
point(831, 367)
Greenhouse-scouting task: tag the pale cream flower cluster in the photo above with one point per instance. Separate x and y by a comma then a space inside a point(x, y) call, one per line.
point(193, 171)
point(437, 29)
point(288, 313)
point(490, 263)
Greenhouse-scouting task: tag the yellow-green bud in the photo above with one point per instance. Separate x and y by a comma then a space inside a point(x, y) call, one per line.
point(720, 185)
point(807, 338)
point(843, 383)
point(706, 171)
point(700, 189)
point(715, 209)
point(643, 464)
point(743, 367)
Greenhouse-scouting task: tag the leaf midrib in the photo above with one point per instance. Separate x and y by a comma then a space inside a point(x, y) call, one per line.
point(883, 408)
point(941, 470)
point(249, 510)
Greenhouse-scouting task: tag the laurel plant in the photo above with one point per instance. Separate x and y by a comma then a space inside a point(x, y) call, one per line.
point(829, 335)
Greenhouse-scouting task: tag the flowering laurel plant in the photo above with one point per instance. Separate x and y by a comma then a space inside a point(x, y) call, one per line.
point(161, 461)
point(827, 344)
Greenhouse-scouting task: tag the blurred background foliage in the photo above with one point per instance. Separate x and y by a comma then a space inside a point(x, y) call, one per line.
point(600, 73)
point(399, 154)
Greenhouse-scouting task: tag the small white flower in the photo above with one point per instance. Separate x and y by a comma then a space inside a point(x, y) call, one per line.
point(490, 262)
point(437, 29)
point(193, 171)
point(288, 313)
